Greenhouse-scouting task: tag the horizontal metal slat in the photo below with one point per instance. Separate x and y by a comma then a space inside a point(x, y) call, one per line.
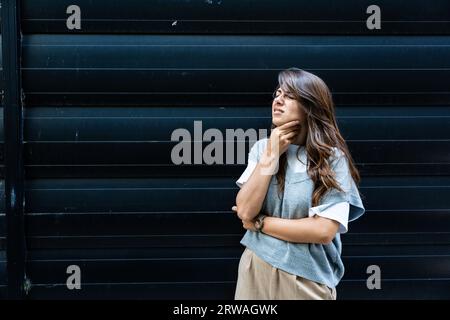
point(254, 17)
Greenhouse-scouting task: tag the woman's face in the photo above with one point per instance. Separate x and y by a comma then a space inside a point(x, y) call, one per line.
point(285, 108)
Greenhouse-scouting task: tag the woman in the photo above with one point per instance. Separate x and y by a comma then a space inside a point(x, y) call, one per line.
point(297, 195)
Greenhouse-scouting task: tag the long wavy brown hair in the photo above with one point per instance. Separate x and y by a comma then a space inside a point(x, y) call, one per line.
point(323, 134)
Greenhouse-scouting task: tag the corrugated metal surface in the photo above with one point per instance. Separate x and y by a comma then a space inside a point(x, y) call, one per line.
point(101, 104)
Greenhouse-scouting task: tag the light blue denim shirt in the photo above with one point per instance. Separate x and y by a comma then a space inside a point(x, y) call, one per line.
point(316, 262)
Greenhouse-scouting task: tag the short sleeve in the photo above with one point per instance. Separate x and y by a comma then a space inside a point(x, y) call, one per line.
point(253, 159)
point(247, 173)
point(338, 212)
point(350, 193)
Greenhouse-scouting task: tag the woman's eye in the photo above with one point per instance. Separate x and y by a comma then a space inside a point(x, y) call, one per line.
point(288, 96)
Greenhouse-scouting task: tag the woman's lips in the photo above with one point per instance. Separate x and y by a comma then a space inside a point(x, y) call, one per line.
point(278, 111)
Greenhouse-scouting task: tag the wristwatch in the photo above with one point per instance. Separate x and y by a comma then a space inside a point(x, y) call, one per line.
point(259, 222)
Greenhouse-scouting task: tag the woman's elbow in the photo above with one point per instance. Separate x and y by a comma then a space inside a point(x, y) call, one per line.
point(327, 231)
point(326, 238)
point(241, 209)
point(243, 213)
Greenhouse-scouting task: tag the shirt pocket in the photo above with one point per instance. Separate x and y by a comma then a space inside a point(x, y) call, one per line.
point(297, 177)
point(273, 180)
point(298, 194)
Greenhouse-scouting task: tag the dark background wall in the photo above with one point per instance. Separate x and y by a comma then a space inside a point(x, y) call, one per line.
point(101, 104)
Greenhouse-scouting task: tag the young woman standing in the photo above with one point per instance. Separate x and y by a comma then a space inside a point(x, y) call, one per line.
point(294, 214)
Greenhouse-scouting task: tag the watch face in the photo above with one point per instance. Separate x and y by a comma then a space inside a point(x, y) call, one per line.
point(258, 224)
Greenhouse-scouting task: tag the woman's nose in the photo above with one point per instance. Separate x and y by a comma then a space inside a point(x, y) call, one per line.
point(278, 99)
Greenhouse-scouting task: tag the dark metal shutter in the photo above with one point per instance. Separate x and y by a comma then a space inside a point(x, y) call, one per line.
point(100, 105)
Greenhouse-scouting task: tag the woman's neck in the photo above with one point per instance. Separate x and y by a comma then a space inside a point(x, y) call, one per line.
point(301, 138)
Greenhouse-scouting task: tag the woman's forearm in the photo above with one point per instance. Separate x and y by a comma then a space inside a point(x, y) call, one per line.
point(305, 230)
point(250, 197)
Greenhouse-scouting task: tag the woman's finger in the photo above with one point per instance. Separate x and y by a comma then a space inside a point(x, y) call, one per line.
point(289, 124)
point(296, 128)
point(290, 135)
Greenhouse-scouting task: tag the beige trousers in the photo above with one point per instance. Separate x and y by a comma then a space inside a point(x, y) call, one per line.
point(258, 280)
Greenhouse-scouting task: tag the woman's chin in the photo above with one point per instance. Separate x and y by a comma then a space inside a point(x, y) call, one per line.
point(278, 121)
